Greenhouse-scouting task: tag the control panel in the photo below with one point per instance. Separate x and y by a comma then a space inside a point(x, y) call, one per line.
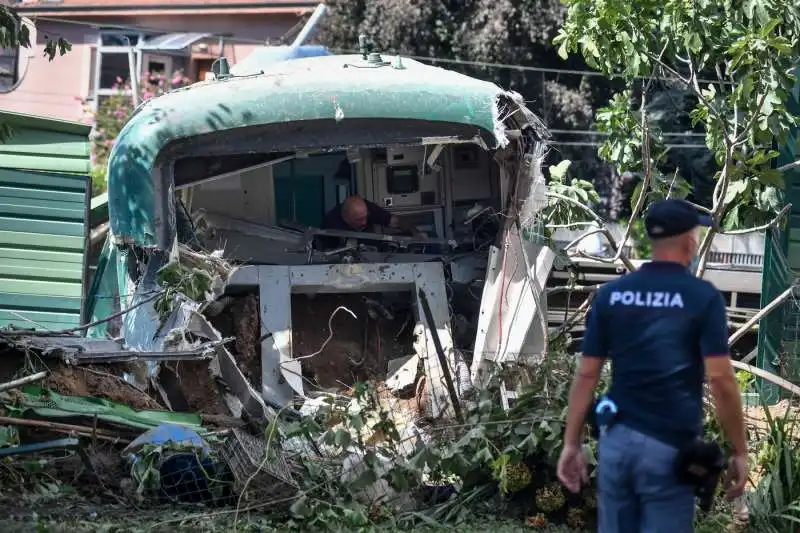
point(401, 180)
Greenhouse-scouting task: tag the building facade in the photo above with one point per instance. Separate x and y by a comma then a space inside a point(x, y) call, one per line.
point(112, 38)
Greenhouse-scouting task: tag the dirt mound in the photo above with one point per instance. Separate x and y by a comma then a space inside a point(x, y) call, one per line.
point(100, 382)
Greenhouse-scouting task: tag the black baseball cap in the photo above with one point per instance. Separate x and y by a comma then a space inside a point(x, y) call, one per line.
point(673, 217)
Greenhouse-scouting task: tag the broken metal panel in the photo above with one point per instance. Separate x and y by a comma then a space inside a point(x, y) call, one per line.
point(145, 332)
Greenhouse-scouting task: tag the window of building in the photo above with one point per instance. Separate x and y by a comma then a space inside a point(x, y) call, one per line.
point(111, 67)
point(114, 67)
point(9, 68)
point(113, 38)
point(156, 67)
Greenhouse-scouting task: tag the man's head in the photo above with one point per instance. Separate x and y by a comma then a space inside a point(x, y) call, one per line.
point(354, 212)
point(673, 227)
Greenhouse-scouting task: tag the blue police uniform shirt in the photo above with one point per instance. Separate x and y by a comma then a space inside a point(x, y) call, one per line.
point(656, 325)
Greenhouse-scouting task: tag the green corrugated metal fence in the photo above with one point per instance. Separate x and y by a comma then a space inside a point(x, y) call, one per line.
point(44, 194)
point(779, 332)
point(776, 277)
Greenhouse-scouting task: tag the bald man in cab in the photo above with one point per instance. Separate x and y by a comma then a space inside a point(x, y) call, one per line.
point(358, 214)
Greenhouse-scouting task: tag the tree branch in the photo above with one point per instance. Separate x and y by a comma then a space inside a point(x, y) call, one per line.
point(657, 60)
point(611, 240)
point(648, 171)
point(570, 225)
point(694, 85)
point(769, 376)
point(570, 288)
point(773, 223)
point(588, 210)
point(577, 240)
point(700, 208)
point(767, 309)
point(789, 166)
point(716, 212)
point(576, 317)
point(743, 136)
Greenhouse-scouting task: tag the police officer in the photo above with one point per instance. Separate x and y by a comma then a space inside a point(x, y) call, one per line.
point(664, 330)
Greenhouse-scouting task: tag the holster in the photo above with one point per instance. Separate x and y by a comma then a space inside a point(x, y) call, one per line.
point(700, 464)
point(594, 422)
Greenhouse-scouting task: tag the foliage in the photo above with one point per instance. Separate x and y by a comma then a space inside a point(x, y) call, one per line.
point(748, 51)
point(500, 462)
point(746, 381)
point(581, 192)
point(174, 278)
point(114, 112)
point(14, 33)
point(774, 505)
point(98, 175)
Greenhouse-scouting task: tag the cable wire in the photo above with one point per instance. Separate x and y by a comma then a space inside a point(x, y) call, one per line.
point(524, 68)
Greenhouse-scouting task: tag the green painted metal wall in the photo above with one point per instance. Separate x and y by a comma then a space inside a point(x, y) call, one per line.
point(44, 195)
point(779, 332)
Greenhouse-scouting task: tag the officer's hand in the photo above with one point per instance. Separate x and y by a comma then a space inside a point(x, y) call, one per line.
point(736, 476)
point(572, 471)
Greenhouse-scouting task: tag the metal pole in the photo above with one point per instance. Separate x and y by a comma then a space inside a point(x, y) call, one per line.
point(22, 381)
point(437, 343)
point(133, 75)
point(739, 333)
point(309, 26)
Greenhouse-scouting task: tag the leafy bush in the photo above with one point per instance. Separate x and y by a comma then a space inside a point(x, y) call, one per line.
point(499, 463)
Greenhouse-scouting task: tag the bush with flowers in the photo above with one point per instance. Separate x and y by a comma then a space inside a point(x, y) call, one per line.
point(113, 113)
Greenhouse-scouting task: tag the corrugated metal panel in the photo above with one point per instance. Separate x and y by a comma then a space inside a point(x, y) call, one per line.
point(777, 345)
point(44, 193)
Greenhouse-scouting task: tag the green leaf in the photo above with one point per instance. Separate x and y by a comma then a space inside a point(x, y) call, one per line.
point(731, 220)
point(562, 50)
point(637, 193)
point(366, 478)
point(342, 438)
point(772, 177)
point(734, 190)
point(300, 508)
point(769, 27)
point(559, 171)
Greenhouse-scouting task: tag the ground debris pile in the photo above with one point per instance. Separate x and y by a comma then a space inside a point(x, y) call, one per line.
point(188, 428)
point(344, 462)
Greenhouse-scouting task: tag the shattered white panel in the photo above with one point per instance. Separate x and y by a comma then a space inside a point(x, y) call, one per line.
point(510, 328)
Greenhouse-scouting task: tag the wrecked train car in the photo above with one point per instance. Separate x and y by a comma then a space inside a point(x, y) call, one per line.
point(233, 177)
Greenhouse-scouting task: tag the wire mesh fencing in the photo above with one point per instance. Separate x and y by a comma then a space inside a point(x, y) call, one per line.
point(225, 471)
